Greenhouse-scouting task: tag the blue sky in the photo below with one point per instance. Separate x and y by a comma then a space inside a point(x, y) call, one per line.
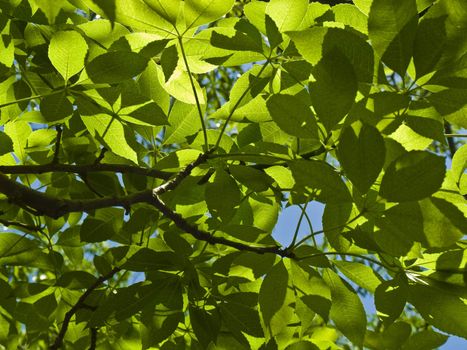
point(284, 231)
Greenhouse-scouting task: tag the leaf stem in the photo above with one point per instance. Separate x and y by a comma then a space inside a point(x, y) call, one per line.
point(311, 235)
point(345, 254)
point(198, 104)
point(455, 135)
point(233, 109)
point(30, 98)
point(297, 228)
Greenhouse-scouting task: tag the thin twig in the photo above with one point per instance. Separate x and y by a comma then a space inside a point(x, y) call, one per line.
point(8, 223)
point(78, 305)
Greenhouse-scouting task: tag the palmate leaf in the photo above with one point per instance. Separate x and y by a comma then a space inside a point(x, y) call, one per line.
point(67, 51)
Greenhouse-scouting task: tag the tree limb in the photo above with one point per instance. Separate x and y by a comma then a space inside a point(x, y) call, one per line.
point(78, 305)
point(82, 169)
point(45, 204)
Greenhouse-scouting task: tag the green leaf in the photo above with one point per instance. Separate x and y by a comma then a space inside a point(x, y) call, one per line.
point(321, 179)
point(288, 15)
point(147, 259)
point(67, 51)
point(76, 280)
point(441, 305)
point(347, 310)
point(156, 328)
point(184, 122)
point(18, 131)
point(351, 16)
point(51, 8)
point(361, 153)
point(102, 225)
point(302, 345)
point(206, 325)
point(179, 86)
point(439, 39)
point(293, 116)
point(334, 88)
point(274, 300)
point(115, 67)
point(362, 275)
point(336, 219)
point(6, 144)
point(390, 299)
point(423, 118)
point(135, 14)
point(312, 293)
point(56, 108)
point(16, 248)
point(222, 205)
point(112, 132)
point(459, 163)
point(434, 222)
point(149, 114)
point(169, 10)
point(250, 177)
point(272, 32)
point(248, 86)
point(199, 12)
point(425, 340)
point(238, 316)
point(238, 42)
point(412, 176)
point(169, 61)
point(452, 105)
point(391, 28)
point(317, 42)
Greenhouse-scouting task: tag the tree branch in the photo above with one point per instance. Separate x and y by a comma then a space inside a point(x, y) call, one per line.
point(55, 159)
point(45, 204)
point(82, 169)
point(78, 305)
point(173, 183)
point(201, 235)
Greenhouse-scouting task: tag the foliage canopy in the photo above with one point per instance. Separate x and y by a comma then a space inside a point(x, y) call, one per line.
point(147, 148)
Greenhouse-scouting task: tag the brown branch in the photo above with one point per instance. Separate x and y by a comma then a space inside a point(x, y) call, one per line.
point(53, 207)
point(451, 143)
point(201, 235)
point(78, 305)
point(173, 183)
point(93, 342)
point(82, 169)
point(57, 144)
